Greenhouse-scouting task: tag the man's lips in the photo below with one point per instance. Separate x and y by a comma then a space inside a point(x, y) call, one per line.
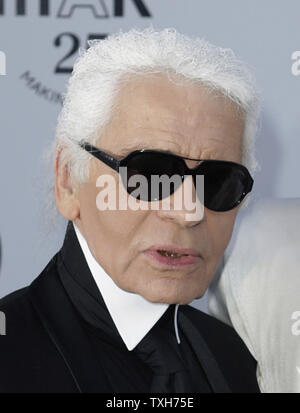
point(188, 256)
point(176, 250)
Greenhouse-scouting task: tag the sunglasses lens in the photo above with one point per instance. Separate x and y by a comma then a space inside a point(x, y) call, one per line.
point(153, 176)
point(149, 173)
point(225, 185)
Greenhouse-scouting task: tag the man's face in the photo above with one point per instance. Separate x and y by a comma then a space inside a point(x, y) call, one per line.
point(189, 121)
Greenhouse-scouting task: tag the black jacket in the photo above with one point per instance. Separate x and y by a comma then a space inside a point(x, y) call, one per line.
point(45, 348)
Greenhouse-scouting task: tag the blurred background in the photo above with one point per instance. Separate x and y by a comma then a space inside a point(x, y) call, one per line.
point(40, 41)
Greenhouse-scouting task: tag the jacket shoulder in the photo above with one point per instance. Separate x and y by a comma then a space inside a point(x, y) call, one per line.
point(14, 299)
point(17, 314)
point(18, 309)
point(29, 361)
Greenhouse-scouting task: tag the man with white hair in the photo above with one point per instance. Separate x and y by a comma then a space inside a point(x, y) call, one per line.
point(110, 311)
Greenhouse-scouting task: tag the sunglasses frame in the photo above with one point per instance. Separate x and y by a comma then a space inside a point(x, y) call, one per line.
point(115, 164)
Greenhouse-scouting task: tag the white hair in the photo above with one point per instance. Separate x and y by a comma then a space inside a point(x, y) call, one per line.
point(99, 71)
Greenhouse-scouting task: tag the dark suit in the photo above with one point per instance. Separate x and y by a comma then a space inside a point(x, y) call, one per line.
point(46, 348)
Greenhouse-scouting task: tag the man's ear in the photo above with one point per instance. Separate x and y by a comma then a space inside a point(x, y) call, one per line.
point(65, 194)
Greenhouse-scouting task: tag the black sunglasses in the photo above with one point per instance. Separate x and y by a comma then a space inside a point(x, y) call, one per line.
point(226, 183)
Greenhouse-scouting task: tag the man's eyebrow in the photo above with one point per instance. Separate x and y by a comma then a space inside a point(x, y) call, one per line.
point(128, 149)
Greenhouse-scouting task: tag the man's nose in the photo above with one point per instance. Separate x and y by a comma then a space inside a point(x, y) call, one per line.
point(183, 207)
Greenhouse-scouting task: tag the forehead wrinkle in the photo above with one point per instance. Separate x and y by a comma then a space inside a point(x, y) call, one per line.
point(174, 138)
point(196, 148)
point(173, 148)
point(155, 144)
point(191, 146)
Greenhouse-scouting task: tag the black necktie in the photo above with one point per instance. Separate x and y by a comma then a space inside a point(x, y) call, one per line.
point(172, 371)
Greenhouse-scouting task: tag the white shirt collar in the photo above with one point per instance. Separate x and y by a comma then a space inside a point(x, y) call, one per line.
point(132, 314)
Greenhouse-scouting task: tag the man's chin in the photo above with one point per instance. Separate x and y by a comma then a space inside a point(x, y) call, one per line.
point(167, 290)
point(169, 297)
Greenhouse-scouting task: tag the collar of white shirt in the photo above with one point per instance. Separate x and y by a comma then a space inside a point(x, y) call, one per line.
point(132, 314)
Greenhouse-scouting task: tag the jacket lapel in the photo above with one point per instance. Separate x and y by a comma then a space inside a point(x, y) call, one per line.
point(58, 317)
point(206, 359)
